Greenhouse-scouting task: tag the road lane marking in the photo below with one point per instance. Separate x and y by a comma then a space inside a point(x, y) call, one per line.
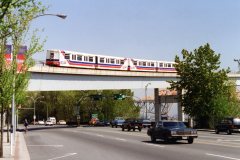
point(39, 145)
point(217, 144)
point(120, 139)
point(215, 155)
point(155, 145)
point(228, 140)
point(66, 155)
point(99, 135)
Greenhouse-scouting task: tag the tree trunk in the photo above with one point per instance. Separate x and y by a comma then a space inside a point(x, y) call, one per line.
point(1, 139)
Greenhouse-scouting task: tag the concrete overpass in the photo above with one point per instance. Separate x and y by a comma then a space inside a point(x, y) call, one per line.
point(46, 78)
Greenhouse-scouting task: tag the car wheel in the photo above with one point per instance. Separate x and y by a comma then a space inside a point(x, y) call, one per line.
point(122, 128)
point(129, 128)
point(217, 131)
point(229, 131)
point(190, 140)
point(112, 126)
point(153, 139)
point(140, 129)
point(116, 126)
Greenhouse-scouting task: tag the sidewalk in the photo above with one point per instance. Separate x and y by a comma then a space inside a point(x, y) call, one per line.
point(20, 151)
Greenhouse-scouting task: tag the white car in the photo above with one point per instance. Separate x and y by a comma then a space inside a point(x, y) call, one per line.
point(62, 122)
point(41, 122)
point(48, 123)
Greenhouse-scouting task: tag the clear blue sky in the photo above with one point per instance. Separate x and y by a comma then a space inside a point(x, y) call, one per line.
point(148, 29)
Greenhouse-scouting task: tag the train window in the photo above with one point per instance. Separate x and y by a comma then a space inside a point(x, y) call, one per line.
point(144, 63)
point(140, 63)
point(113, 61)
point(165, 65)
point(51, 55)
point(148, 63)
point(122, 61)
point(85, 58)
point(73, 57)
point(117, 61)
point(152, 64)
point(79, 57)
point(135, 63)
point(101, 60)
point(90, 59)
point(67, 56)
point(169, 65)
point(160, 64)
point(107, 60)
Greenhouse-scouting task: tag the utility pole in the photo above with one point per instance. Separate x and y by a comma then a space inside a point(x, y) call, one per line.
point(238, 60)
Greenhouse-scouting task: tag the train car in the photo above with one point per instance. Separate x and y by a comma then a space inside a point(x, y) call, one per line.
point(70, 59)
point(164, 66)
point(142, 65)
point(111, 62)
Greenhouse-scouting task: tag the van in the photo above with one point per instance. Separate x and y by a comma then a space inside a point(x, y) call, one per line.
point(52, 119)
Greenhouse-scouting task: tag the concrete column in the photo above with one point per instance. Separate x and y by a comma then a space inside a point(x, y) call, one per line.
point(157, 105)
point(180, 110)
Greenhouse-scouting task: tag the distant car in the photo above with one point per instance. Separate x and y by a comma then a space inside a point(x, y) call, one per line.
point(62, 122)
point(41, 122)
point(172, 131)
point(146, 123)
point(118, 121)
point(133, 124)
point(48, 123)
point(228, 125)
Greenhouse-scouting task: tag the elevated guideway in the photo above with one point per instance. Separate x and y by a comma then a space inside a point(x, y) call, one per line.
point(46, 78)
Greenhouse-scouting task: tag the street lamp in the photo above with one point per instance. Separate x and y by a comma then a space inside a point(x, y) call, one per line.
point(48, 14)
point(146, 99)
point(34, 107)
point(238, 60)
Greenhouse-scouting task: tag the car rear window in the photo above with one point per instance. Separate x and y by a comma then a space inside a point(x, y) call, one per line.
point(174, 125)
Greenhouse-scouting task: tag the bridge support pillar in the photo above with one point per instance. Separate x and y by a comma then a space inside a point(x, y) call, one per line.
point(157, 105)
point(179, 106)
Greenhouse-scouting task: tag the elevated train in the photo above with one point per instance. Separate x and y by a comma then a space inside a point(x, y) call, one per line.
point(62, 58)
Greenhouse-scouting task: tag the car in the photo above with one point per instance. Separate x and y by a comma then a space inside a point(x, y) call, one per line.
point(133, 124)
point(118, 121)
point(62, 122)
point(228, 125)
point(172, 131)
point(48, 123)
point(146, 123)
point(40, 122)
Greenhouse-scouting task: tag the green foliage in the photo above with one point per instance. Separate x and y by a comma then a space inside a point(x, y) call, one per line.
point(206, 92)
point(67, 104)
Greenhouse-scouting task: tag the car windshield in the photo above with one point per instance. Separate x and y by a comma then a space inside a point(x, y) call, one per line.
point(174, 125)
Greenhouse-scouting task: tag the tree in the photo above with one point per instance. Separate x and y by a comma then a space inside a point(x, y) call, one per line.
point(15, 18)
point(204, 84)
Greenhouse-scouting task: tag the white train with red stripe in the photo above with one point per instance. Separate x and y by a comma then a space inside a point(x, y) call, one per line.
point(62, 58)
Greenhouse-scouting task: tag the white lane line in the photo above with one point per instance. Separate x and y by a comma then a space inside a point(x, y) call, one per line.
point(121, 139)
point(66, 155)
point(45, 145)
point(228, 140)
point(155, 145)
point(215, 155)
point(99, 135)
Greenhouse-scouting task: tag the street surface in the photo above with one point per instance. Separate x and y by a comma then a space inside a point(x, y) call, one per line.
point(106, 143)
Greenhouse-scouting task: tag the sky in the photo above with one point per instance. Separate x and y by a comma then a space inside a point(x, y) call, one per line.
point(144, 29)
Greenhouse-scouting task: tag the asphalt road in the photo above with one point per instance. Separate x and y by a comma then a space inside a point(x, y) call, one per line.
point(105, 143)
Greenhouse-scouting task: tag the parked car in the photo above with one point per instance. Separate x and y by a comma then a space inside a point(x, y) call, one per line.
point(62, 122)
point(228, 125)
point(172, 131)
point(48, 123)
point(146, 123)
point(118, 121)
point(40, 122)
point(133, 124)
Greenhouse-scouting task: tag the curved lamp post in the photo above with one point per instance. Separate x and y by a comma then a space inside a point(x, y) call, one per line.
point(63, 16)
point(34, 107)
point(146, 97)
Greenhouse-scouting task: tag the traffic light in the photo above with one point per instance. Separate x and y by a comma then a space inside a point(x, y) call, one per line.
point(119, 97)
point(96, 97)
